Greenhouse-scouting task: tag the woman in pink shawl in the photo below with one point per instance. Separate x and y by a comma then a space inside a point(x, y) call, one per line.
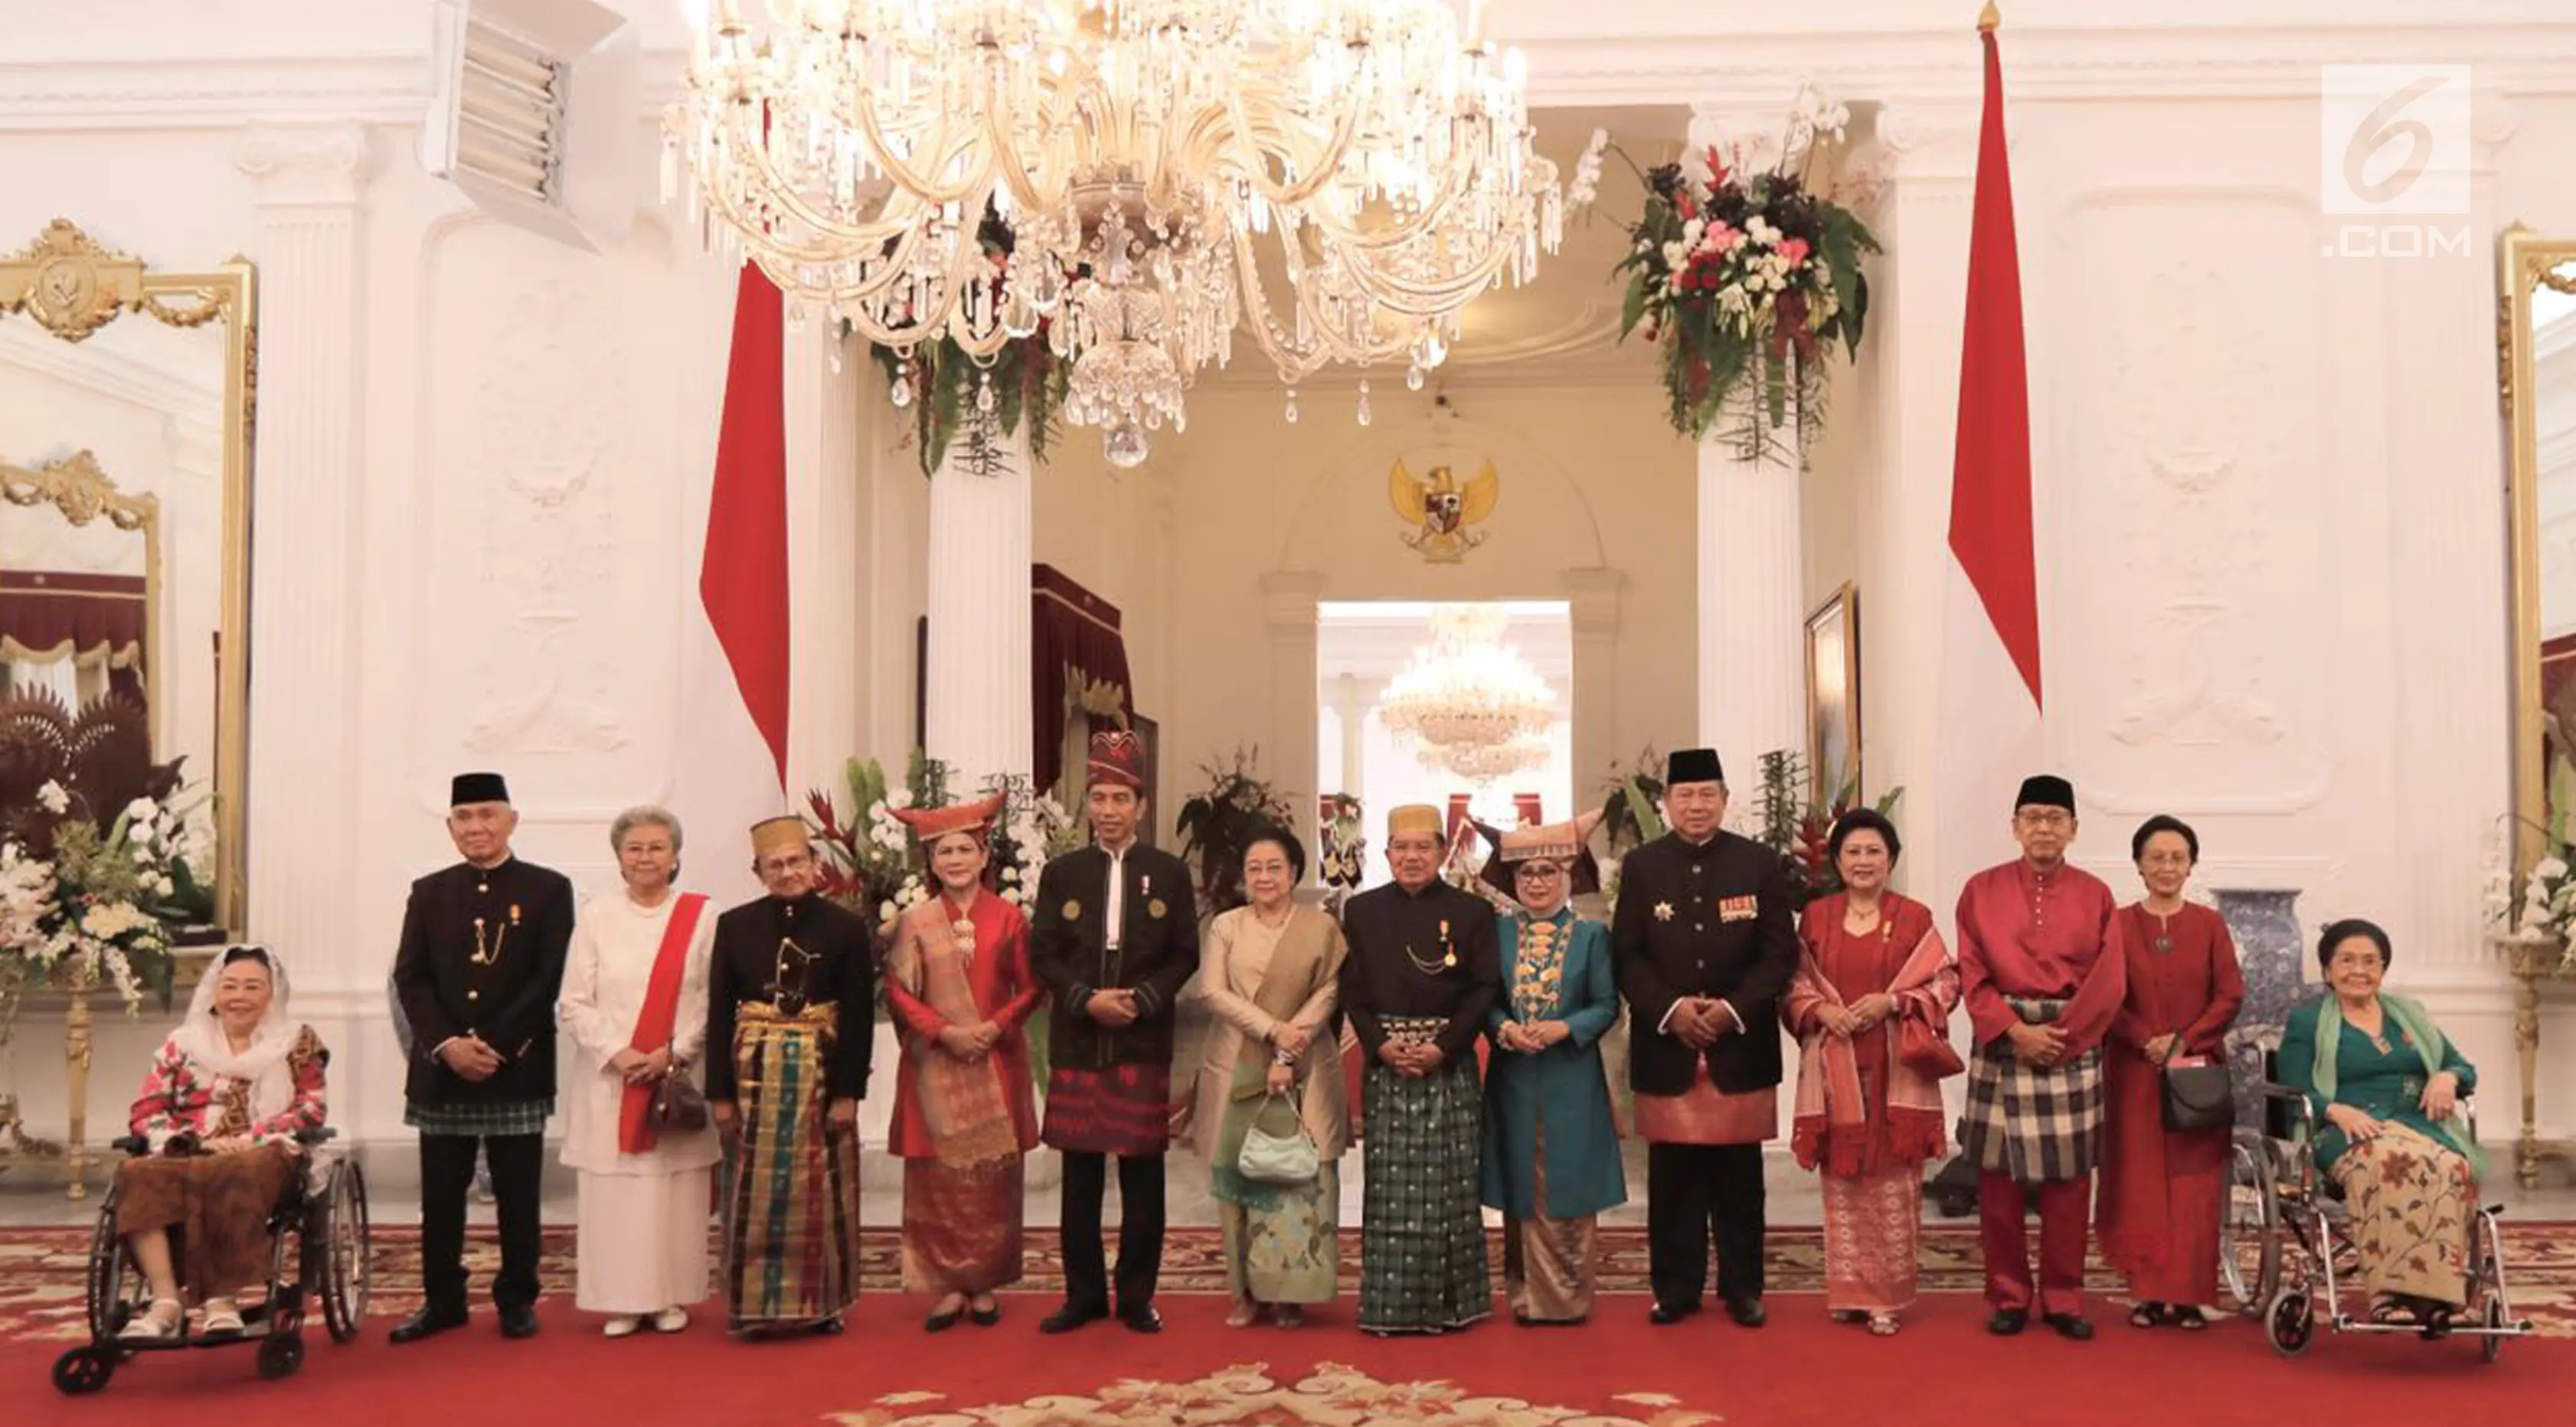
point(1870, 961)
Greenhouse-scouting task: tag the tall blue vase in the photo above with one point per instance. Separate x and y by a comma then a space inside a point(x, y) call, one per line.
point(2272, 951)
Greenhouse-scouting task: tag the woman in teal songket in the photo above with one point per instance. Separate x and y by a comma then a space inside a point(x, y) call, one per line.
point(1269, 975)
point(1551, 1160)
point(2384, 1082)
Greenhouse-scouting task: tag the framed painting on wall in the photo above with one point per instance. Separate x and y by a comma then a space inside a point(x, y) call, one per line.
point(1833, 696)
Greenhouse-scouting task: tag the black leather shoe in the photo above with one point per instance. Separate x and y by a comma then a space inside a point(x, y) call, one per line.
point(984, 1317)
point(1666, 1313)
point(519, 1322)
point(1747, 1312)
point(942, 1322)
point(828, 1327)
point(1141, 1319)
point(2074, 1327)
point(1068, 1318)
point(2008, 1321)
point(424, 1323)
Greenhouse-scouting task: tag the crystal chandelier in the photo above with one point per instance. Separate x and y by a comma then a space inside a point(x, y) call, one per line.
point(1476, 706)
point(1335, 178)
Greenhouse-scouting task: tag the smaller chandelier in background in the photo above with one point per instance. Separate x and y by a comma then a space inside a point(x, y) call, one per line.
point(1474, 705)
point(1335, 179)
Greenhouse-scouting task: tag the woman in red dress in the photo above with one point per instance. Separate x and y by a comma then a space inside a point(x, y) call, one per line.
point(2163, 1191)
point(959, 989)
point(1869, 962)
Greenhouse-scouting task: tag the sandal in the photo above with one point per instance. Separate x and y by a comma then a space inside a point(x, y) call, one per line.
point(1882, 1325)
point(223, 1320)
point(1244, 1315)
point(1847, 1315)
point(2190, 1319)
point(2147, 1314)
point(163, 1320)
point(1289, 1315)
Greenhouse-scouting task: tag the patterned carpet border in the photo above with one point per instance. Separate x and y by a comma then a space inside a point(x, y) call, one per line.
point(41, 1269)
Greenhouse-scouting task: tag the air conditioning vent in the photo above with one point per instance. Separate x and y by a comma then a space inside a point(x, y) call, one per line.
point(534, 113)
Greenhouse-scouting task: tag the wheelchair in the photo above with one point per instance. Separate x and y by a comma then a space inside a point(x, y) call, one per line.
point(319, 1252)
point(2287, 1245)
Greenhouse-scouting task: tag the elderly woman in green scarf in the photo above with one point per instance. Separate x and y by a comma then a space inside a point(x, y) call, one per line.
point(2385, 1082)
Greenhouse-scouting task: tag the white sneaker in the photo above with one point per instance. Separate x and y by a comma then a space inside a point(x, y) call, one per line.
point(670, 1320)
point(622, 1326)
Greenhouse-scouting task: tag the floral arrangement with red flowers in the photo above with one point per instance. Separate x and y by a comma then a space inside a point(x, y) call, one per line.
point(1746, 277)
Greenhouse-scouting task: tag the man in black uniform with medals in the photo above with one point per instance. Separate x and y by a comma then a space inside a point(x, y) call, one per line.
point(1114, 937)
point(481, 962)
point(1425, 970)
point(1704, 943)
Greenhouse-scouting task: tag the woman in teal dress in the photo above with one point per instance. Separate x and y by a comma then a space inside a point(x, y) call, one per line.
point(1551, 1157)
point(2383, 1081)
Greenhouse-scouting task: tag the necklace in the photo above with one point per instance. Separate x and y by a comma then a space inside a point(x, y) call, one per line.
point(486, 955)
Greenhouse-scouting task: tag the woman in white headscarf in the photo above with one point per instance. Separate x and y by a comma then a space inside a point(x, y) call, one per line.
point(226, 1096)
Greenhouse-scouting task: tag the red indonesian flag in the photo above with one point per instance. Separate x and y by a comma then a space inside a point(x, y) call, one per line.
point(732, 766)
point(1990, 703)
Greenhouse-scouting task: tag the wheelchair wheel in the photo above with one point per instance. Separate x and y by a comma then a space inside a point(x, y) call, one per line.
point(280, 1356)
point(2249, 1257)
point(340, 1227)
point(84, 1370)
point(115, 1283)
point(2491, 1346)
point(2290, 1322)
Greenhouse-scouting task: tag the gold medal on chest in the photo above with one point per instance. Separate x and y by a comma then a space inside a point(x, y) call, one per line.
point(1072, 910)
point(1154, 909)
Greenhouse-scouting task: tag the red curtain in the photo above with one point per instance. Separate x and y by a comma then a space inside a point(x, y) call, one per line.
point(40, 609)
point(1074, 642)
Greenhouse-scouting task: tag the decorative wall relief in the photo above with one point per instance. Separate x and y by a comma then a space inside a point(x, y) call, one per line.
point(2190, 555)
point(2272, 951)
point(553, 500)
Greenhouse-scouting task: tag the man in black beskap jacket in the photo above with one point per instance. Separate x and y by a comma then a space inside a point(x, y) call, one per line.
point(1704, 943)
point(481, 962)
point(1114, 935)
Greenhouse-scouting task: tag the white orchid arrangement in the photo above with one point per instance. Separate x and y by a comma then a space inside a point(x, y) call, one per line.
point(98, 911)
point(2543, 908)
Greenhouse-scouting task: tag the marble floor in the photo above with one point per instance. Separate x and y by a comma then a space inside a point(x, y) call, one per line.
point(1791, 1195)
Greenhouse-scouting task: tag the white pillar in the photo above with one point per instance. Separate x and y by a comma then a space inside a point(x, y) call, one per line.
point(1752, 667)
point(978, 666)
point(305, 594)
point(1289, 599)
point(1592, 595)
point(1351, 704)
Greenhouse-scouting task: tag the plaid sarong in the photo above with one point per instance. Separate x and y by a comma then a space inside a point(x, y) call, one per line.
point(1422, 1229)
point(526, 1117)
point(2040, 1124)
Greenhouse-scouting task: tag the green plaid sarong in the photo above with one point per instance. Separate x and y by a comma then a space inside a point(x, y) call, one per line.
point(1422, 1230)
point(527, 1117)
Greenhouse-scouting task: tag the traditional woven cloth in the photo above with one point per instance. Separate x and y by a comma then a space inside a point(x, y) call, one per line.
point(1125, 1110)
point(2039, 1124)
point(1422, 1230)
point(961, 1225)
point(481, 1121)
point(792, 1222)
point(2414, 1208)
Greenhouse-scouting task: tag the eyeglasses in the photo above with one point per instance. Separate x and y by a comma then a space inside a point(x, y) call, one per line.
point(2165, 859)
point(790, 862)
point(2367, 962)
point(2044, 817)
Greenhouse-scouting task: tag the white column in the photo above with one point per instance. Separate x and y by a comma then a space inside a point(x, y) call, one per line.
point(1289, 598)
point(828, 447)
point(1351, 704)
point(305, 594)
point(1592, 596)
point(978, 672)
point(1752, 667)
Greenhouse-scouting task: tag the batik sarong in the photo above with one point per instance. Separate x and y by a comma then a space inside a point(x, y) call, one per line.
point(1422, 1228)
point(792, 1219)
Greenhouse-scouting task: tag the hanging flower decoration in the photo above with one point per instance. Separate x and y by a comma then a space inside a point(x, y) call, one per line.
point(1745, 277)
point(950, 393)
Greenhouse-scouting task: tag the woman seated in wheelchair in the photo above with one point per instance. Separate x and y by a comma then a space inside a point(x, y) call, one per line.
point(228, 1093)
point(2384, 1081)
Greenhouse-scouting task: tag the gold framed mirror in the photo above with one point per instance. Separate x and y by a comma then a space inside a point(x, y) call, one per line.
point(125, 462)
point(2536, 348)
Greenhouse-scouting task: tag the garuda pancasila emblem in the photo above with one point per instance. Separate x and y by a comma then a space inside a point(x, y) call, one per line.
point(1440, 510)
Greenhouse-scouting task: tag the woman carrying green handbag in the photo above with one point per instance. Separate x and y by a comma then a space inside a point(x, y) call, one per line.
point(1268, 1111)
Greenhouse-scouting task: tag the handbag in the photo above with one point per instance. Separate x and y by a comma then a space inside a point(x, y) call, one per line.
point(2199, 1096)
point(1926, 1050)
point(1277, 1159)
point(679, 1106)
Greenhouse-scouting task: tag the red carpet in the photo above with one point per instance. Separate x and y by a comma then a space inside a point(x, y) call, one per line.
point(1614, 1372)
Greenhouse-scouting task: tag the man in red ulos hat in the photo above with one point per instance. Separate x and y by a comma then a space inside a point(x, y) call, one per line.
point(1114, 935)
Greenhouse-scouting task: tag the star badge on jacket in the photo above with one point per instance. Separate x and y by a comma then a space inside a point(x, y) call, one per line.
point(1663, 911)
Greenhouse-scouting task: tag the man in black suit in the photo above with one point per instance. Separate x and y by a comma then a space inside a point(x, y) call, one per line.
point(481, 962)
point(1704, 943)
point(1114, 936)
